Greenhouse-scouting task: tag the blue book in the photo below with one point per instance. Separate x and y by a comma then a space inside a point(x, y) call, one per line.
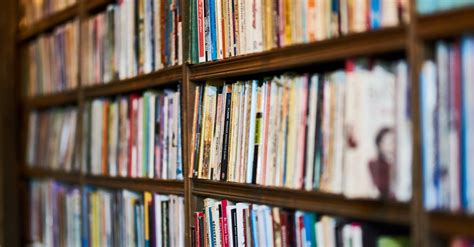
point(211, 226)
point(467, 54)
point(253, 225)
point(85, 217)
point(309, 220)
point(375, 14)
point(213, 12)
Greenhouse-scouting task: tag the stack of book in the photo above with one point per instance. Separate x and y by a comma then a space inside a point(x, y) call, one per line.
point(33, 11)
point(131, 38)
point(347, 131)
point(134, 136)
point(447, 116)
point(126, 218)
point(430, 6)
point(221, 29)
point(54, 214)
point(51, 139)
point(51, 61)
point(223, 223)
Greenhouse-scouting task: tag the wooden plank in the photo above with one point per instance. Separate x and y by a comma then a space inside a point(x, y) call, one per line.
point(48, 23)
point(94, 5)
point(42, 173)
point(383, 211)
point(137, 184)
point(446, 24)
point(51, 100)
point(164, 77)
point(369, 43)
point(452, 224)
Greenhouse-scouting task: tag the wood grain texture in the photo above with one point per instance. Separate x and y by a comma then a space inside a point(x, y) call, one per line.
point(452, 224)
point(445, 24)
point(366, 44)
point(61, 176)
point(52, 100)
point(164, 77)
point(137, 184)
point(48, 23)
point(389, 212)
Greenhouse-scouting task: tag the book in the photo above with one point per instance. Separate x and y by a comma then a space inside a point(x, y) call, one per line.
point(305, 131)
point(135, 136)
point(238, 27)
point(262, 225)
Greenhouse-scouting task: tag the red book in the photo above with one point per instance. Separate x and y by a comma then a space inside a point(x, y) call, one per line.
point(132, 152)
point(285, 240)
point(197, 229)
point(224, 222)
point(200, 24)
point(105, 128)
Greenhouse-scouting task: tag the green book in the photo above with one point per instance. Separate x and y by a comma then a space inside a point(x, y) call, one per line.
point(393, 241)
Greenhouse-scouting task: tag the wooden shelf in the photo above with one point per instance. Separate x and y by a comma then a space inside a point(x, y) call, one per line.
point(389, 212)
point(49, 23)
point(61, 176)
point(50, 100)
point(368, 43)
point(164, 77)
point(138, 184)
point(451, 224)
point(93, 5)
point(446, 23)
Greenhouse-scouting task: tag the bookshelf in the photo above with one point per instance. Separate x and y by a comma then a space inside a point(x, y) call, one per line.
point(408, 40)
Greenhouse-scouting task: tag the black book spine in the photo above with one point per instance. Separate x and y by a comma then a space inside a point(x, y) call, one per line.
point(197, 142)
point(233, 213)
point(319, 139)
point(225, 146)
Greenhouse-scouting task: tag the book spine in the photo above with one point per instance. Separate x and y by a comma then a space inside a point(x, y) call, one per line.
point(225, 146)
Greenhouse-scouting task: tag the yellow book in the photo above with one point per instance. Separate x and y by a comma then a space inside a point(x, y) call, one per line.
point(147, 202)
point(288, 21)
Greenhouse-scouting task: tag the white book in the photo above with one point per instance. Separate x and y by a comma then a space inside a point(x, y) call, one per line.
point(113, 138)
point(311, 139)
point(158, 219)
point(401, 177)
point(428, 105)
point(389, 13)
point(240, 223)
point(218, 18)
point(251, 134)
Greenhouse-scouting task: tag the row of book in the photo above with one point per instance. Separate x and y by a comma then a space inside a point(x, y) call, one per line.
point(134, 136)
point(51, 139)
point(430, 6)
point(131, 38)
point(347, 131)
point(54, 212)
point(33, 11)
point(224, 223)
point(51, 61)
point(126, 218)
point(59, 215)
point(221, 29)
point(447, 116)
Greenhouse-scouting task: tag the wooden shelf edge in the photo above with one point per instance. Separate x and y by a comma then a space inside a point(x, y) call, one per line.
point(50, 100)
point(445, 23)
point(452, 224)
point(369, 43)
point(137, 184)
point(381, 211)
point(62, 176)
point(92, 5)
point(49, 22)
point(163, 77)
